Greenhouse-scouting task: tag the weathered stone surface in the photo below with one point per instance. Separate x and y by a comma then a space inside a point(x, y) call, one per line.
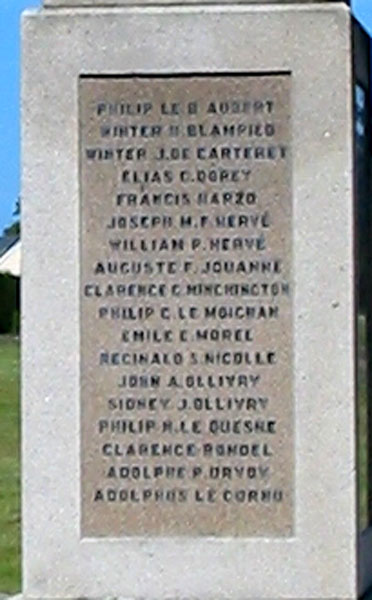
point(311, 45)
point(97, 3)
point(159, 158)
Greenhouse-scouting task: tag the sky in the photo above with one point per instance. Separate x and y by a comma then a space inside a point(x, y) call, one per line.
point(9, 96)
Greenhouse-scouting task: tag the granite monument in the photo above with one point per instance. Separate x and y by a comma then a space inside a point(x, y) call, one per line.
point(189, 297)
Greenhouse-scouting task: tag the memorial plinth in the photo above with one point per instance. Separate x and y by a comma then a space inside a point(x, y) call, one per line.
point(189, 349)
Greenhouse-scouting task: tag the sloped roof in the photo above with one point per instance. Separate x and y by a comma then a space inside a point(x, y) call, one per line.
point(10, 261)
point(6, 242)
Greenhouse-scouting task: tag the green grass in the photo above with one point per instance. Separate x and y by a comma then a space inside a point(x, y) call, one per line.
point(362, 424)
point(10, 575)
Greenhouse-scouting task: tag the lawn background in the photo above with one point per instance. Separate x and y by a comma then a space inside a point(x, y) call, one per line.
point(10, 576)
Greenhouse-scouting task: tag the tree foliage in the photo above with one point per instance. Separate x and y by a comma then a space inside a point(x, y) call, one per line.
point(15, 228)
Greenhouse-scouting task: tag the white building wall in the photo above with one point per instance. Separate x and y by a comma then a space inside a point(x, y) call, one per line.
point(10, 262)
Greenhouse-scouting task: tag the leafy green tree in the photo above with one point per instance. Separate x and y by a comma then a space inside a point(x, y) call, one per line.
point(15, 228)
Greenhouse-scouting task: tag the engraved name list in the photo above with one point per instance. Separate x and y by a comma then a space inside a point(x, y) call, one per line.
point(186, 306)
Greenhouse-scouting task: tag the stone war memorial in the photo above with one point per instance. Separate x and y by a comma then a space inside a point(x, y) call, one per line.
point(196, 301)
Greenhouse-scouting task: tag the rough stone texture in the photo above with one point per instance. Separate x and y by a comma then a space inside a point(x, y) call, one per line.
point(367, 596)
point(100, 184)
point(97, 3)
point(313, 43)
